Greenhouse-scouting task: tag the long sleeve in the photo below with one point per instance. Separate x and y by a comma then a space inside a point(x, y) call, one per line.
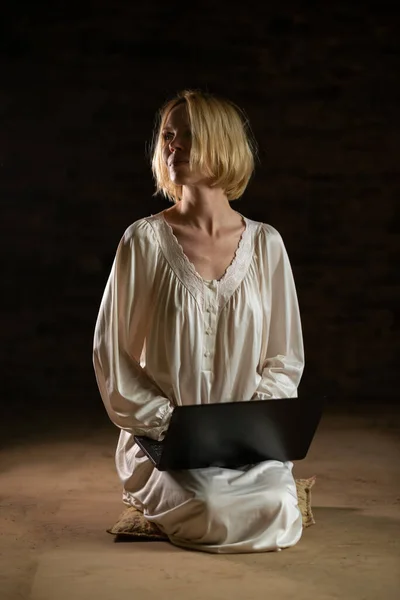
point(132, 399)
point(283, 353)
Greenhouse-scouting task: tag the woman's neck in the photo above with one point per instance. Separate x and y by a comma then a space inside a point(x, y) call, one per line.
point(205, 209)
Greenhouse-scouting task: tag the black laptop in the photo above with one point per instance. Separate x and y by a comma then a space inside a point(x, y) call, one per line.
point(234, 434)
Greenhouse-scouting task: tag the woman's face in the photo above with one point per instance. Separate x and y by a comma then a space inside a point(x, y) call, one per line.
point(177, 143)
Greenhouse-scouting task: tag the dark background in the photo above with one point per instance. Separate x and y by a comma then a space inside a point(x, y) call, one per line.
point(80, 86)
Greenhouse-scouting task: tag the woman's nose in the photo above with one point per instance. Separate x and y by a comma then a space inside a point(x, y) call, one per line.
point(175, 143)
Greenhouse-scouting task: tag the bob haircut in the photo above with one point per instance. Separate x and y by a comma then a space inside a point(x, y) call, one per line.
point(223, 146)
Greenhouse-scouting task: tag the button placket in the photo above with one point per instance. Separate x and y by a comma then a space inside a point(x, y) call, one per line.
point(210, 318)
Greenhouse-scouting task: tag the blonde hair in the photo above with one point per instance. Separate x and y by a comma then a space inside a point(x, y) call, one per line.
point(223, 146)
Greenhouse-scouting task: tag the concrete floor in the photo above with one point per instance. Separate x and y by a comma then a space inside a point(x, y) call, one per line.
point(58, 496)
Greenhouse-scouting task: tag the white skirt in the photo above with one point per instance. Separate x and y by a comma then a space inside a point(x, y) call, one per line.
point(252, 509)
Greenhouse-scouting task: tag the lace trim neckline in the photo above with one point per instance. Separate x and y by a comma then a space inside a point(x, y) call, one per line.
point(191, 266)
point(186, 272)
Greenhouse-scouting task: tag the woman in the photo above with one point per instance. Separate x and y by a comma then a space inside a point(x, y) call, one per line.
point(201, 307)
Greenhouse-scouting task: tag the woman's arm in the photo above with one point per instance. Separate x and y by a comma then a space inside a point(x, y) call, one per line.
point(283, 353)
point(132, 399)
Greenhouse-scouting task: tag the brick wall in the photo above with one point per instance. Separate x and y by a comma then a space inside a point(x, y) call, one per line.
point(80, 87)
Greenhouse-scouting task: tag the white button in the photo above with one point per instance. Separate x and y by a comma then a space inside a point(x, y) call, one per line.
point(208, 331)
point(207, 353)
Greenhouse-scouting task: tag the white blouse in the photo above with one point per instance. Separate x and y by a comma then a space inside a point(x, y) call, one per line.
point(166, 337)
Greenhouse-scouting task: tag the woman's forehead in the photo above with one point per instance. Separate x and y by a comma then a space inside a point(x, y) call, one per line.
point(177, 116)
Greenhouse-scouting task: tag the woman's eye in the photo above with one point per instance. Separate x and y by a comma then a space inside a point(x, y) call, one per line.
point(166, 135)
